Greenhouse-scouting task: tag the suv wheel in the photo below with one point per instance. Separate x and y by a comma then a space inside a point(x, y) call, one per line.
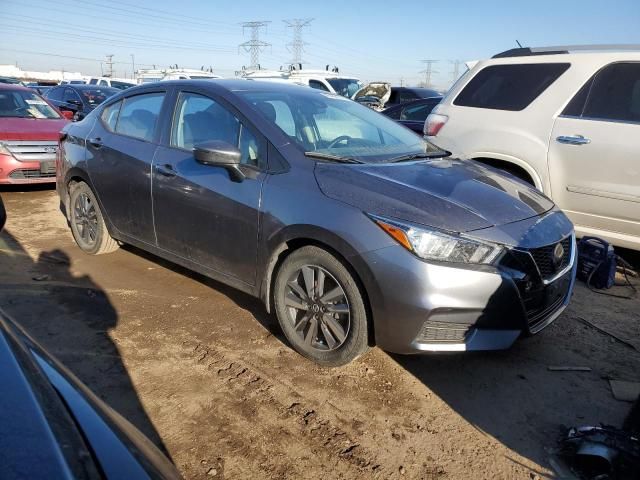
point(320, 308)
point(87, 223)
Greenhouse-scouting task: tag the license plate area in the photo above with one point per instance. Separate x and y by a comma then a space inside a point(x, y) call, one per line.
point(48, 168)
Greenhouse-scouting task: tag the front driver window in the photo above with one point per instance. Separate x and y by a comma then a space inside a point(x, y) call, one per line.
point(199, 119)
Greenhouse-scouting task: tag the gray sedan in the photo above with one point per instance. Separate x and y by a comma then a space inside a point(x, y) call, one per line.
point(352, 229)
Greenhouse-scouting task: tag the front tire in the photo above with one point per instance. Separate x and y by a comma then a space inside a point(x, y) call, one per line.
point(320, 307)
point(87, 223)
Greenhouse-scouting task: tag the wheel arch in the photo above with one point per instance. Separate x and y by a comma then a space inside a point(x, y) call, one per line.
point(296, 237)
point(73, 175)
point(513, 165)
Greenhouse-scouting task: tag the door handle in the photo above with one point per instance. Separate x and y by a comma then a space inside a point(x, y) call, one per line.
point(573, 140)
point(96, 142)
point(166, 170)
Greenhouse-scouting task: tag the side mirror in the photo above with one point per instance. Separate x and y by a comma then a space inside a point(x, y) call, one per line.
point(68, 114)
point(217, 153)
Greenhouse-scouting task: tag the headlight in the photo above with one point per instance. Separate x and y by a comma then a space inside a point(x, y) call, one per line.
point(439, 246)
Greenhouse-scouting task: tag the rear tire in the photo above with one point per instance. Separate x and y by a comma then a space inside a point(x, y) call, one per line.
point(320, 307)
point(87, 223)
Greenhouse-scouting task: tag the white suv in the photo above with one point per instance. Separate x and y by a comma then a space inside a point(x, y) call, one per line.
point(566, 119)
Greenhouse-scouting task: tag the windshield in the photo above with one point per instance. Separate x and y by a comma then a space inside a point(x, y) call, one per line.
point(347, 87)
point(25, 104)
point(323, 124)
point(95, 96)
point(121, 85)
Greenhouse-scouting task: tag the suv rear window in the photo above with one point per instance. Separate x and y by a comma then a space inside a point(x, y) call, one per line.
point(509, 87)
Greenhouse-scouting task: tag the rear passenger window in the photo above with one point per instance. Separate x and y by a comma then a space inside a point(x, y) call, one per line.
point(110, 115)
point(139, 116)
point(318, 85)
point(407, 96)
point(417, 113)
point(509, 87)
point(615, 94)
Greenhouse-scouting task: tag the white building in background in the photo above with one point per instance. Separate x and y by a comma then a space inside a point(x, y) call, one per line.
point(51, 75)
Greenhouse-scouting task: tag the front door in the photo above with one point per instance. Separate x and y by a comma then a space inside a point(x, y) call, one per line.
point(593, 154)
point(201, 213)
point(123, 143)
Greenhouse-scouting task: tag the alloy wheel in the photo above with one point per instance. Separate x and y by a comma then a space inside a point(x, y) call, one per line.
point(318, 308)
point(85, 219)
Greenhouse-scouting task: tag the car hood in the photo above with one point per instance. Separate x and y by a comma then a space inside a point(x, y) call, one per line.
point(379, 90)
point(31, 128)
point(448, 194)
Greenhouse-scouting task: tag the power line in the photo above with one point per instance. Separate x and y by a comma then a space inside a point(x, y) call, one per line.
point(297, 45)
point(255, 45)
point(428, 72)
point(111, 41)
point(163, 40)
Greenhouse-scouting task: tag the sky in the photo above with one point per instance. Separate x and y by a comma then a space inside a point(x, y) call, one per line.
point(372, 40)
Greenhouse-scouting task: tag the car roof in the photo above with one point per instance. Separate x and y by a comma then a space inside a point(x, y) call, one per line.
point(230, 85)
point(84, 86)
point(13, 86)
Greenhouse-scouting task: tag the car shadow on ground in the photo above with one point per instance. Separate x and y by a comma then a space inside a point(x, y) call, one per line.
point(243, 300)
point(71, 317)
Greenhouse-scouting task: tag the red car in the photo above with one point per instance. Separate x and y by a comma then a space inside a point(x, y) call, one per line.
point(29, 129)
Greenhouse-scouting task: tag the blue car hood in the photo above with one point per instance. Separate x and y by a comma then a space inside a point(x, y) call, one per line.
point(448, 194)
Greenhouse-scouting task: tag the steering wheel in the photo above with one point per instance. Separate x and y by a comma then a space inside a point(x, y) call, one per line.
point(337, 140)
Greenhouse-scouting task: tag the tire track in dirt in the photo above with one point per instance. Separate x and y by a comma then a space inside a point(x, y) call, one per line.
point(325, 436)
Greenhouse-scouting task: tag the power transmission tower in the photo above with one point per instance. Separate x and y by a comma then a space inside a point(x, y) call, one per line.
point(109, 63)
point(296, 47)
point(455, 74)
point(255, 45)
point(428, 71)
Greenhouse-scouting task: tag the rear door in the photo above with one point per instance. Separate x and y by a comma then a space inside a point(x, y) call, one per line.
point(122, 145)
point(593, 152)
point(201, 214)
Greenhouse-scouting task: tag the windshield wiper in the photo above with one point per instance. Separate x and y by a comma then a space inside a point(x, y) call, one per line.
point(416, 156)
point(332, 158)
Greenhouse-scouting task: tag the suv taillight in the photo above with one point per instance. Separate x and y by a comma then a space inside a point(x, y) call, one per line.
point(434, 124)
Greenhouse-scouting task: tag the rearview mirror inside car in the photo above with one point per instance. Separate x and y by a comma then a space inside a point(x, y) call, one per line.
point(217, 153)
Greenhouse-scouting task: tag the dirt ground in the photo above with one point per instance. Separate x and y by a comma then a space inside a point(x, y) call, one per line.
point(205, 373)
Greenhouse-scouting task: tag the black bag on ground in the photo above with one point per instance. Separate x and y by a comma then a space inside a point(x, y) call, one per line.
point(596, 262)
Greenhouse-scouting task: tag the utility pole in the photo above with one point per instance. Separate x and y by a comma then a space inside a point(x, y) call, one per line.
point(109, 63)
point(428, 71)
point(255, 45)
point(296, 47)
point(133, 67)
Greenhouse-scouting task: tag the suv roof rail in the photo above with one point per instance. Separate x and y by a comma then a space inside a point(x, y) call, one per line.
point(557, 50)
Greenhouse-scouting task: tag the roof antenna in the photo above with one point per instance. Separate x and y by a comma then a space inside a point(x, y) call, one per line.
point(518, 43)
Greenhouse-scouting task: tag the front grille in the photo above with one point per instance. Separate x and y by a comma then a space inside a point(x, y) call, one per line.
point(26, 174)
point(32, 150)
point(532, 271)
point(443, 332)
point(544, 258)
